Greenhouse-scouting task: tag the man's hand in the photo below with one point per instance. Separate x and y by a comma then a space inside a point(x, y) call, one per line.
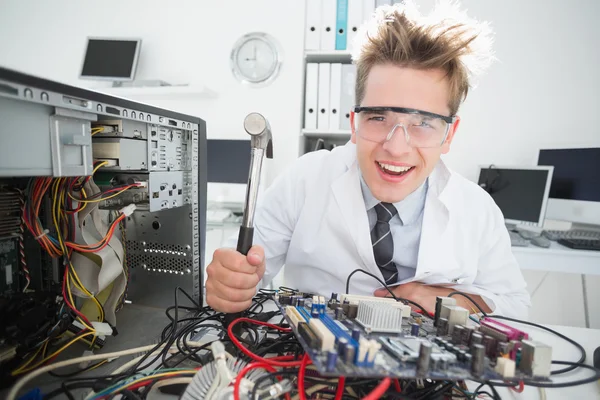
point(425, 295)
point(233, 278)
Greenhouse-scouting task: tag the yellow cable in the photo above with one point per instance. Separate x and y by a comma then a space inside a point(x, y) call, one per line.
point(45, 343)
point(53, 354)
point(106, 198)
point(70, 294)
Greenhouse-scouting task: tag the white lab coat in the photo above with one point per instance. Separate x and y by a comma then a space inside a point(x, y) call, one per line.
point(313, 220)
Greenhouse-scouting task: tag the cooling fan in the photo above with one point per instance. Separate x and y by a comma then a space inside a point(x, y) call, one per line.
point(215, 380)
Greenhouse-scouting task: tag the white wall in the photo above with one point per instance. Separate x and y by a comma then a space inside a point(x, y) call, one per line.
point(183, 42)
point(542, 91)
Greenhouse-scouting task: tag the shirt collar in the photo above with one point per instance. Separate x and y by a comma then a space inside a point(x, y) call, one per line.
point(408, 209)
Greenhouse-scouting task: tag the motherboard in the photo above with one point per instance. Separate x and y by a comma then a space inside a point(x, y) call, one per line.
point(368, 337)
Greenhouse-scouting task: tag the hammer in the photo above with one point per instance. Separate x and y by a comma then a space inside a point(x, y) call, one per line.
point(259, 129)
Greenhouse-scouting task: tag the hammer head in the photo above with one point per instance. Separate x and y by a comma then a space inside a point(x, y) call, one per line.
point(258, 127)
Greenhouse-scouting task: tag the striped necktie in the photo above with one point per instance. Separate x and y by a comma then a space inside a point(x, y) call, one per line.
point(383, 244)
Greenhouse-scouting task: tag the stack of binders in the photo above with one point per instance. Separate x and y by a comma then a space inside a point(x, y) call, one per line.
point(329, 96)
point(332, 24)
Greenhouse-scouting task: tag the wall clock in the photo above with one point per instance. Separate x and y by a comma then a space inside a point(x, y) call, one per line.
point(256, 59)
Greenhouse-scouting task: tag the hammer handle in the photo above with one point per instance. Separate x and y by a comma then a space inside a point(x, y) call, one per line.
point(243, 246)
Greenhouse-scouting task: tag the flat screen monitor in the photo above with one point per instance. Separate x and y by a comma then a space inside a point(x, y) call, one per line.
point(111, 59)
point(521, 193)
point(575, 189)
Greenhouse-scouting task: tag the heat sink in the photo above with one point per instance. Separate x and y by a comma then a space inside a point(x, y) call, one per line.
point(10, 213)
point(377, 316)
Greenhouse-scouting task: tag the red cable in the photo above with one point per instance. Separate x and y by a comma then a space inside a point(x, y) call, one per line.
point(303, 364)
point(244, 371)
point(340, 389)
point(379, 390)
point(397, 386)
point(270, 361)
point(66, 299)
point(518, 389)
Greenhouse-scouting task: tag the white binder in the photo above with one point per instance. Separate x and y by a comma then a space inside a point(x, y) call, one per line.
point(328, 9)
point(368, 9)
point(312, 28)
point(323, 96)
point(379, 3)
point(347, 94)
point(335, 97)
point(311, 96)
point(355, 20)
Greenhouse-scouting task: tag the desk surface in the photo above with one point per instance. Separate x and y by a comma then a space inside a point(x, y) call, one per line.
point(142, 325)
point(558, 258)
point(561, 350)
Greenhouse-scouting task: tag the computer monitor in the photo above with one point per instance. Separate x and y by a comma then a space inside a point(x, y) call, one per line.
point(521, 193)
point(575, 188)
point(113, 59)
point(228, 167)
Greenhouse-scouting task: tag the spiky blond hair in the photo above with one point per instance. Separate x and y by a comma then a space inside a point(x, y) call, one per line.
point(445, 39)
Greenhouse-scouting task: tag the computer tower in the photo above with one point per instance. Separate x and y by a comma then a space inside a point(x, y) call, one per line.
point(60, 144)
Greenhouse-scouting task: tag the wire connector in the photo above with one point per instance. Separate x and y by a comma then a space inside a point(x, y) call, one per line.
point(102, 328)
point(128, 210)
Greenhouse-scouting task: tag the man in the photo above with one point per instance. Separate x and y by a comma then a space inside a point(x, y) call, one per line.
point(385, 203)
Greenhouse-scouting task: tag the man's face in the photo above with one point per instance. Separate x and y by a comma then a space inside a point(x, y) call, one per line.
point(393, 86)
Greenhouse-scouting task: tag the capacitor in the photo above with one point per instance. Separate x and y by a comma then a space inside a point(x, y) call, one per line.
point(502, 348)
point(350, 354)
point(477, 338)
point(356, 334)
point(457, 334)
point(424, 357)
point(490, 346)
point(339, 314)
point(478, 359)
point(465, 335)
point(342, 344)
point(334, 297)
point(346, 306)
point(442, 327)
point(419, 320)
point(462, 356)
point(301, 302)
point(414, 329)
point(352, 311)
point(471, 329)
point(314, 312)
point(468, 359)
point(331, 360)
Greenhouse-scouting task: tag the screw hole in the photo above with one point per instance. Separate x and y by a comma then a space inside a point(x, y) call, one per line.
point(156, 225)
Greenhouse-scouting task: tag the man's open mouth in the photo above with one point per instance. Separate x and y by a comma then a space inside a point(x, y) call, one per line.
point(395, 170)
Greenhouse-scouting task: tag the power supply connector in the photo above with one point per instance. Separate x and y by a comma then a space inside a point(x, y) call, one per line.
point(128, 210)
point(102, 328)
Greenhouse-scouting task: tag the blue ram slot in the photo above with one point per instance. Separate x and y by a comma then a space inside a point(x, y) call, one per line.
point(304, 313)
point(339, 333)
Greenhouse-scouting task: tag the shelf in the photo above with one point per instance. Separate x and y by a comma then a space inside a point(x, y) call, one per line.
point(161, 92)
point(331, 56)
point(326, 134)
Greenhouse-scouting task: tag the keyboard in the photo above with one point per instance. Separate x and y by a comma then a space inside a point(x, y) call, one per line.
point(517, 240)
point(572, 234)
point(581, 244)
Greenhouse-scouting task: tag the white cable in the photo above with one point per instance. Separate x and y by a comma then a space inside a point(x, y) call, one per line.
point(542, 393)
point(12, 395)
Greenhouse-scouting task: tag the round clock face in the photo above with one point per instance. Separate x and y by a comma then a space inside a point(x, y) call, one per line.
point(256, 59)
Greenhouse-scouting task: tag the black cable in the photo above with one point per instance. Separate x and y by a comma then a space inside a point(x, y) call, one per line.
point(420, 307)
point(560, 335)
point(470, 299)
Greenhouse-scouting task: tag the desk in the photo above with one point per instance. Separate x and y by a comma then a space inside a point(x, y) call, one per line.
point(558, 258)
point(141, 325)
point(561, 350)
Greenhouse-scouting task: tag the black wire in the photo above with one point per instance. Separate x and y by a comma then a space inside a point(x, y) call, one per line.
point(420, 307)
point(560, 335)
point(470, 299)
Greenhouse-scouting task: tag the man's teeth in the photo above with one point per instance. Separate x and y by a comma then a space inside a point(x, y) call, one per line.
point(394, 168)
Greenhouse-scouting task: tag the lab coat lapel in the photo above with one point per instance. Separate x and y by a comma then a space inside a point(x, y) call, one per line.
point(348, 196)
point(434, 246)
